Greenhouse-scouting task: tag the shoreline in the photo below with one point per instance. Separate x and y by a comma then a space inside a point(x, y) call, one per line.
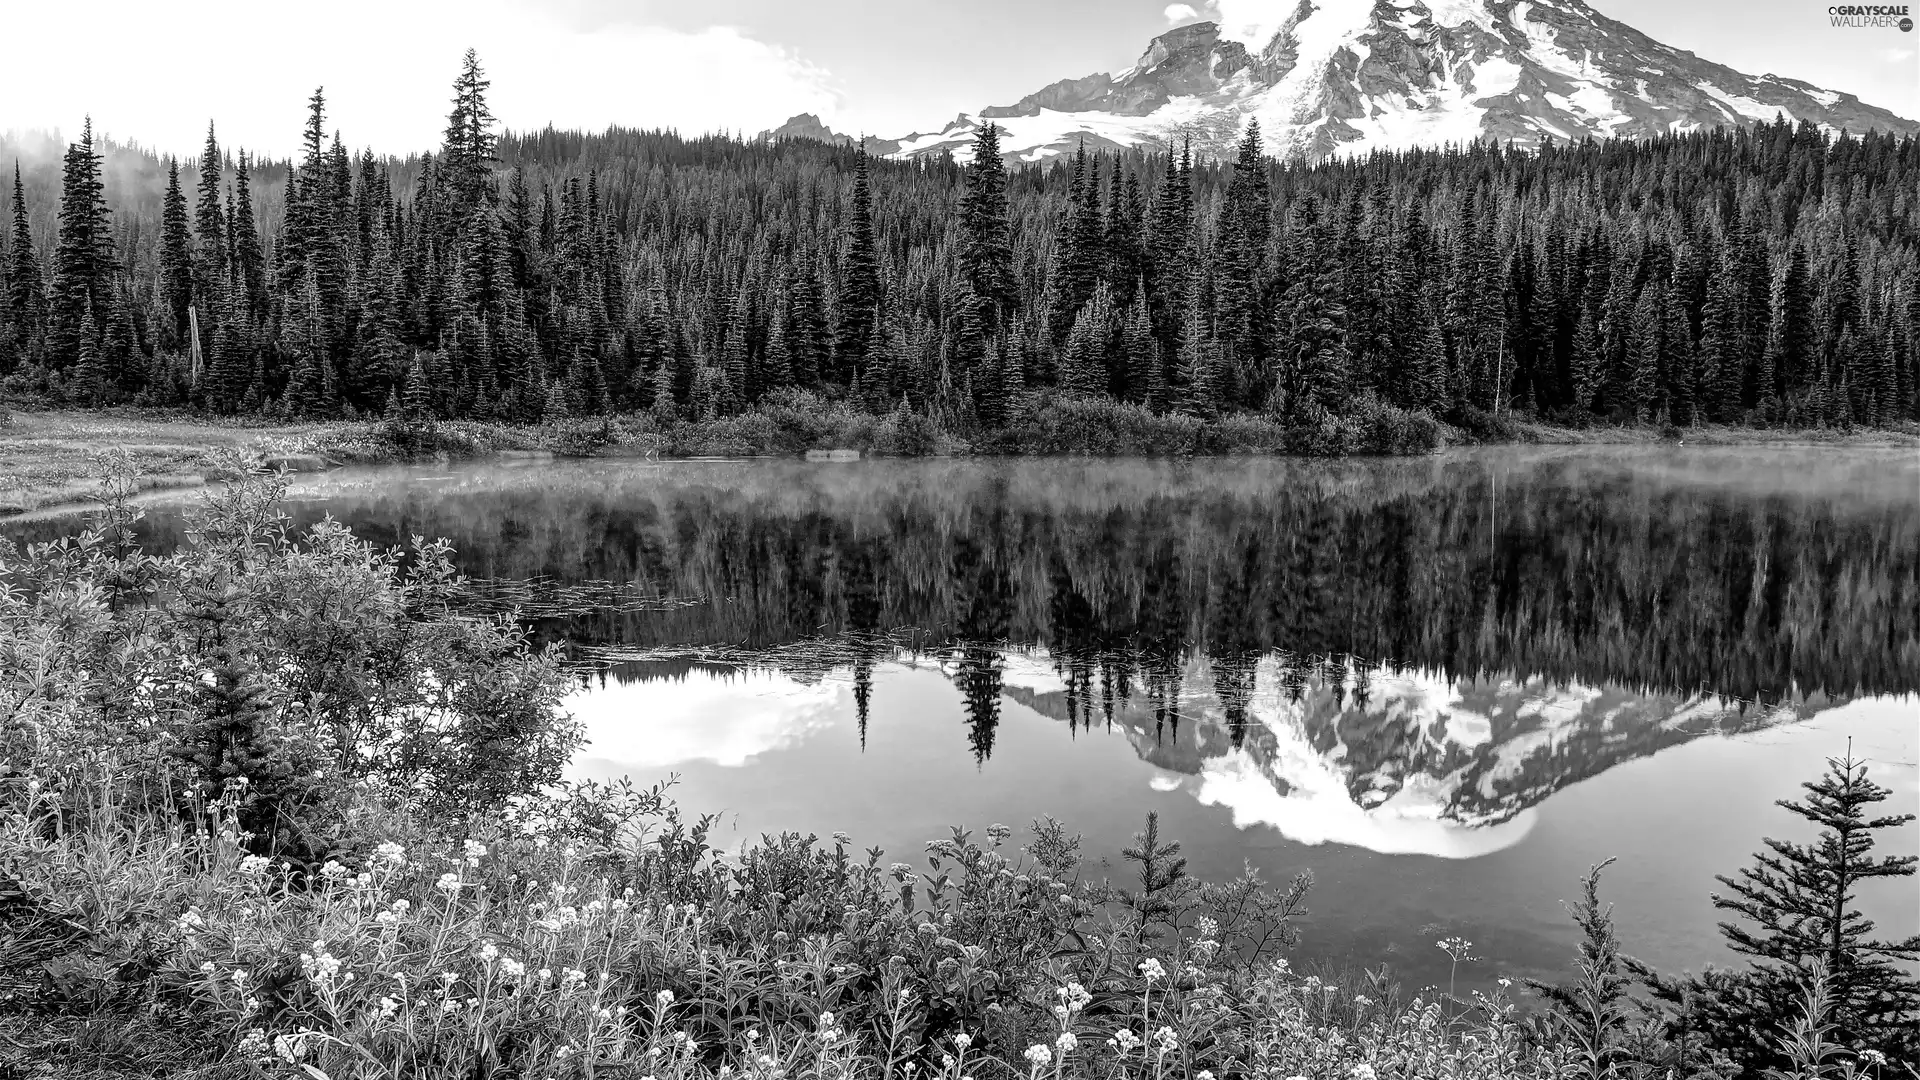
point(47, 457)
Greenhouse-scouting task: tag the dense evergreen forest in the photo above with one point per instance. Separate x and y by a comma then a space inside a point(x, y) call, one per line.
point(1767, 275)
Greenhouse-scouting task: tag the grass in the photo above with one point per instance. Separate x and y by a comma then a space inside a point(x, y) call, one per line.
point(50, 458)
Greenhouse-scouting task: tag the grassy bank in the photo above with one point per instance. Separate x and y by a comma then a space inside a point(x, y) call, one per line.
point(274, 805)
point(48, 458)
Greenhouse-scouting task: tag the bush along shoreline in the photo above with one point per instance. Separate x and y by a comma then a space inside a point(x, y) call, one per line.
point(275, 805)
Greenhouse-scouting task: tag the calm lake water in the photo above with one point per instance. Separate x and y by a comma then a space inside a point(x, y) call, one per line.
point(1445, 686)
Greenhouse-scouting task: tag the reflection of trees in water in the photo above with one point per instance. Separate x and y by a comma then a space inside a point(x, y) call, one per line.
point(1580, 574)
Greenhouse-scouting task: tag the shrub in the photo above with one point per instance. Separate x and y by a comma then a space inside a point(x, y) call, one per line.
point(300, 670)
point(1079, 424)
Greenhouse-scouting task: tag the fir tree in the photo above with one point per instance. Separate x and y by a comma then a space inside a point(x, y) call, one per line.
point(1795, 908)
point(467, 151)
point(860, 270)
point(210, 243)
point(176, 253)
point(986, 247)
point(83, 256)
point(24, 297)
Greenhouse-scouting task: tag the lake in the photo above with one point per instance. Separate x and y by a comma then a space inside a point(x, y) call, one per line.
point(1446, 686)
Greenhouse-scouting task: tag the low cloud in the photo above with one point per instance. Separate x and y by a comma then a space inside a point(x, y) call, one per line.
point(1895, 55)
point(1181, 13)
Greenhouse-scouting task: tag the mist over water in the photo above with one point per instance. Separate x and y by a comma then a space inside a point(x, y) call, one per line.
point(1444, 685)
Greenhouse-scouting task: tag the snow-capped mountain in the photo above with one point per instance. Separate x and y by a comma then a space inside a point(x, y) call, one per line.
point(1408, 762)
point(1349, 76)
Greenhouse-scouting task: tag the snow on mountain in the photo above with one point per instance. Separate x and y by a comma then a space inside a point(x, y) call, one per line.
point(1406, 763)
point(1349, 76)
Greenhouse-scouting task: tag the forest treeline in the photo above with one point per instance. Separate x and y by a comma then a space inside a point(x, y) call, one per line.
point(1763, 275)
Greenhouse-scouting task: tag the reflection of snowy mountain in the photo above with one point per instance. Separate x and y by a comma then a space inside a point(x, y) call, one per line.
point(1404, 762)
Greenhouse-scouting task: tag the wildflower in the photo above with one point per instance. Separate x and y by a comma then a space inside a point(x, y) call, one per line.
point(1066, 1043)
point(253, 1046)
point(902, 872)
point(254, 864)
point(387, 918)
point(449, 882)
point(401, 906)
point(475, 851)
point(1504, 983)
point(1152, 970)
point(319, 965)
point(1362, 1000)
point(963, 1040)
point(843, 839)
point(546, 975)
point(450, 1006)
point(1203, 1074)
point(826, 1019)
point(1039, 1055)
point(998, 833)
point(1075, 996)
point(189, 921)
point(1125, 1040)
point(288, 1049)
point(489, 952)
point(392, 854)
point(1362, 1071)
point(239, 977)
point(388, 1007)
point(1166, 1040)
point(1873, 1057)
point(333, 870)
point(512, 969)
point(206, 968)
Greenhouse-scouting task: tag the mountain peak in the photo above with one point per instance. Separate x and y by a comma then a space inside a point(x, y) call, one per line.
point(1331, 77)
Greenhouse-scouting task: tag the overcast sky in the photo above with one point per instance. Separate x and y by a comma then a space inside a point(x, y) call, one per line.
point(156, 72)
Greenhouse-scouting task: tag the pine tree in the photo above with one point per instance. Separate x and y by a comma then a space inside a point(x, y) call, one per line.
point(467, 151)
point(25, 299)
point(1594, 1011)
point(83, 256)
point(249, 262)
point(210, 242)
point(416, 397)
point(1084, 363)
point(860, 272)
point(1242, 250)
point(176, 253)
point(986, 244)
point(90, 379)
point(1795, 908)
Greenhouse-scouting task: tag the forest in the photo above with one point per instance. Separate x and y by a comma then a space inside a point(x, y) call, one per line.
point(1765, 276)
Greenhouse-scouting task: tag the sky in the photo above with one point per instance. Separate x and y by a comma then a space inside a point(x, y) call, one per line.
point(157, 73)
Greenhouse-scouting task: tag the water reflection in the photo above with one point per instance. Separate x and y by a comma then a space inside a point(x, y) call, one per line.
point(1447, 685)
point(1338, 751)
